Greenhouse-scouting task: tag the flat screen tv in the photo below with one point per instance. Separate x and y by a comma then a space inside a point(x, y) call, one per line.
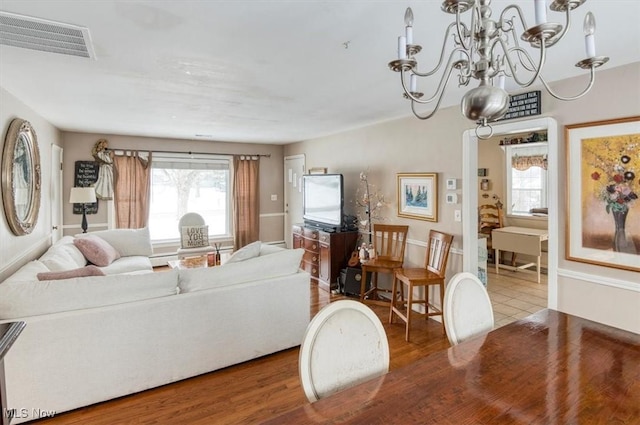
point(323, 200)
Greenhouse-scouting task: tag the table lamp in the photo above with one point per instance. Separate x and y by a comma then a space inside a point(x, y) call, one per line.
point(84, 196)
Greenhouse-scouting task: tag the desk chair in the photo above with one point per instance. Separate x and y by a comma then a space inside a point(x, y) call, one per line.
point(435, 264)
point(344, 345)
point(467, 308)
point(188, 248)
point(389, 242)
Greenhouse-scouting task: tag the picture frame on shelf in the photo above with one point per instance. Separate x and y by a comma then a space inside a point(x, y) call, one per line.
point(603, 209)
point(418, 196)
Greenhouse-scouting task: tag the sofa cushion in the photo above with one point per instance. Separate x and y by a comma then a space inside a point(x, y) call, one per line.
point(96, 250)
point(23, 299)
point(126, 241)
point(90, 270)
point(269, 266)
point(28, 272)
point(133, 263)
point(194, 236)
point(246, 252)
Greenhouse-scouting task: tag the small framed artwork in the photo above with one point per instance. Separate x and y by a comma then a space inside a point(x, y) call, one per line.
point(603, 210)
point(418, 196)
point(318, 170)
point(483, 172)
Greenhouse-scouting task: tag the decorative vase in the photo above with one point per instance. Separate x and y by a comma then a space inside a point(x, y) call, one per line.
point(620, 242)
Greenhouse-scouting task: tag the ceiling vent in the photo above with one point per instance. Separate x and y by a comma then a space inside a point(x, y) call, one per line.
point(46, 36)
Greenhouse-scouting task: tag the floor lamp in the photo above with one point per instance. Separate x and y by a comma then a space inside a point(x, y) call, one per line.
point(84, 196)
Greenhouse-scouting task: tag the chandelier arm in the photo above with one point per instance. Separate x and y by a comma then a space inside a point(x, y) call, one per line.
point(435, 109)
point(523, 21)
point(578, 96)
point(519, 50)
point(438, 93)
point(460, 24)
point(442, 51)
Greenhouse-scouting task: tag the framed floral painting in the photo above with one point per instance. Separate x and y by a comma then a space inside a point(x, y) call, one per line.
point(418, 196)
point(603, 186)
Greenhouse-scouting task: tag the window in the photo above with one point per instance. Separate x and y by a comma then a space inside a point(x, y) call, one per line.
point(182, 183)
point(526, 179)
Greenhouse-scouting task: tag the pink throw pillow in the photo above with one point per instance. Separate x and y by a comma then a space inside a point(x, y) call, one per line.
point(96, 250)
point(68, 274)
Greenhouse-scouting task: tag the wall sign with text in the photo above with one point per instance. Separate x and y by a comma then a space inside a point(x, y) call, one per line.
point(523, 105)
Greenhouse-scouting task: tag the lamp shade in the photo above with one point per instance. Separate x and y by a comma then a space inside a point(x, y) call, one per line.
point(82, 195)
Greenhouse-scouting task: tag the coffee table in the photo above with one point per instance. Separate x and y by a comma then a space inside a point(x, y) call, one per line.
point(195, 262)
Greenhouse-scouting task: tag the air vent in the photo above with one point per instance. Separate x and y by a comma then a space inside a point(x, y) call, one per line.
point(46, 36)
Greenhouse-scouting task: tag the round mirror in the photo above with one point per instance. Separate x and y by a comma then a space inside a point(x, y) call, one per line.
point(21, 177)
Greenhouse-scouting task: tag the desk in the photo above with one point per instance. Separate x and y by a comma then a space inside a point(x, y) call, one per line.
point(519, 239)
point(549, 368)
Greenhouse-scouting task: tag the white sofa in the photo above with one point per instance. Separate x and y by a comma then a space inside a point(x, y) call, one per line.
point(91, 339)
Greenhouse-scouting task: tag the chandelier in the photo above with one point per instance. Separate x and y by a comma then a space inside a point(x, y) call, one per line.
point(489, 51)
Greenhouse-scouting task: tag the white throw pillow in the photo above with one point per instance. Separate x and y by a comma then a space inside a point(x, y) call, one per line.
point(194, 236)
point(264, 267)
point(248, 251)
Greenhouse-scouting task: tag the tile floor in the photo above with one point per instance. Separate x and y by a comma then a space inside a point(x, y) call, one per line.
point(515, 295)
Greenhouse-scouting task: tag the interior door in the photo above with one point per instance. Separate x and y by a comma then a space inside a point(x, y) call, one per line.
point(55, 200)
point(294, 168)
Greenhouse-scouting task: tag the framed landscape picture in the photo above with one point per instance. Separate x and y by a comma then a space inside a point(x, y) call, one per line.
point(603, 186)
point(418, 196)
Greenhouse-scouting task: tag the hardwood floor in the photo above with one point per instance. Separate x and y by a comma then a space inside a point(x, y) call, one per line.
point(248, 393)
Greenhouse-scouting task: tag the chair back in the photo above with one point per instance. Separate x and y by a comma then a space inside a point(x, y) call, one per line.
point(490, 217)
point(438, 247)
point(190, 219)
point(467, 308)
point(345, 344)
point(389, 241)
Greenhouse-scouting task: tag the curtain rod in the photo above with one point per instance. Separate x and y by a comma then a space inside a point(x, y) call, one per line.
point(266, 155)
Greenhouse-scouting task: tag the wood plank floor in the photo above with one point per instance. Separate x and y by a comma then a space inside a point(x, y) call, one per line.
point(248, 393)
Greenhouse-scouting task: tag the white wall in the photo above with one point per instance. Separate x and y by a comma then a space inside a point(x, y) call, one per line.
point(409, 145)
point(16, 250)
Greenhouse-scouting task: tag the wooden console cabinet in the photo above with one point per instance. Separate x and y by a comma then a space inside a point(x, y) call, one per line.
point(324, 253)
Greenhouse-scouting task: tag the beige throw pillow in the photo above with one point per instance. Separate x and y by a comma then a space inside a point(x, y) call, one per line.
point(68, 274)
point(96, 250)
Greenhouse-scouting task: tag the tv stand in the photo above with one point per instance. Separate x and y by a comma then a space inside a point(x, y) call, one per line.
point(325, 252)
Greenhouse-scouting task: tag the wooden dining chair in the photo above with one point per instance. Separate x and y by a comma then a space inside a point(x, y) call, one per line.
point(490, 216)
point(432, 274)
point(467, 308)
point(389, 242)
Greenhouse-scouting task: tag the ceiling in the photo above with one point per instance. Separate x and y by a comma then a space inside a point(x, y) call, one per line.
point(260, 71)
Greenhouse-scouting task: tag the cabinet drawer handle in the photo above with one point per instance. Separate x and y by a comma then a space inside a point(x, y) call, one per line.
point(315, 246)
point(314, 270)
point(315, 258)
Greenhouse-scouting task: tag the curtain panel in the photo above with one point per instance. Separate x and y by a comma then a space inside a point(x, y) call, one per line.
point(246, 200)
point(522, 163)
point(132, 189)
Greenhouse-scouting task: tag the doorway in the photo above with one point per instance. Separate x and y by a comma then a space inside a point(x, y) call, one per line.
point(294, 168)
point(56, 197)
point(470, 195)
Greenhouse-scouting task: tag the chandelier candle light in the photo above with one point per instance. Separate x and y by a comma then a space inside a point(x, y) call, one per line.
point(489, 51)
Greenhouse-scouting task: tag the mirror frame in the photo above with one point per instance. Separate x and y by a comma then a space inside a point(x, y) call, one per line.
point(21, 129)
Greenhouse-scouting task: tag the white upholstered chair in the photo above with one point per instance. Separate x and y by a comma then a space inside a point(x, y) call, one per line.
point(344, 345)
point(190, 224)
point(467, 308)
